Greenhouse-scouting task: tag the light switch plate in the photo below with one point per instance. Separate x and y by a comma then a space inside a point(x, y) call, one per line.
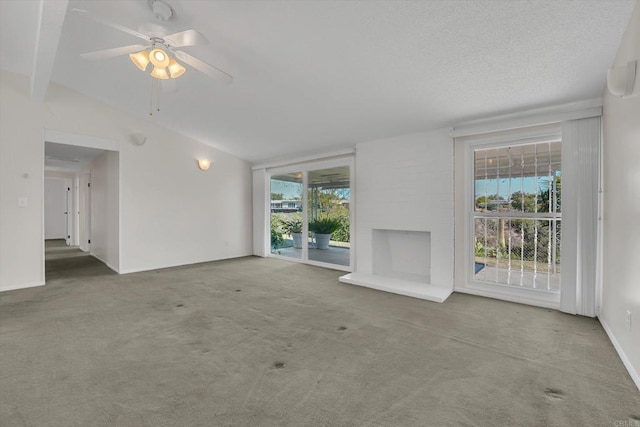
point(23, 202)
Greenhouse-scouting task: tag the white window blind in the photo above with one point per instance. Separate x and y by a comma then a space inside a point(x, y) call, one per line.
point(581, 179)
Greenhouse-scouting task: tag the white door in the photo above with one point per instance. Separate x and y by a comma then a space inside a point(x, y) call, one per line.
point(55, 206)
point(68, 212)
point(85, 212)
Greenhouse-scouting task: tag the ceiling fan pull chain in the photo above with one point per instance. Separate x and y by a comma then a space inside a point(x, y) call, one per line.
point(159, 90)
point(151, 98)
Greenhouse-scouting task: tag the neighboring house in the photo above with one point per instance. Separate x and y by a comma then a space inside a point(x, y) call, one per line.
point(286, 206)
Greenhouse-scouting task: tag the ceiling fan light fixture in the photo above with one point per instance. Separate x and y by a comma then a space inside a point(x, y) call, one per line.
point(140, 59)
point(175, 69)
point(160, 73)
point(159, 58)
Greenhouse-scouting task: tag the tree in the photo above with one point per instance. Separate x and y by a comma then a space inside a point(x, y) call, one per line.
point(525, 202)
point(546, 196)
point(484, 202)
point(277, 196)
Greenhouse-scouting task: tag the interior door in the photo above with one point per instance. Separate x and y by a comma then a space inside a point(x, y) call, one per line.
point(87, 213)
point(55, 206)
point(68, 212)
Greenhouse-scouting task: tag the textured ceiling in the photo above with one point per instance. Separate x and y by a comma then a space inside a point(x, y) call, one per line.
point(315, 75)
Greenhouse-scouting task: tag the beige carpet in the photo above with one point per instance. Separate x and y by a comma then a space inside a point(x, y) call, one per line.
point(263, 342)
point(57, 249)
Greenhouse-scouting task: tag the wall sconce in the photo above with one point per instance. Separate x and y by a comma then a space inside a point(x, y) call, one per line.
point(204, 164)
point(621, 80)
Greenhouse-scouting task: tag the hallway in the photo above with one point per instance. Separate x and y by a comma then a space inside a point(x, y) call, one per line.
point(57, 248)
point(66, 262)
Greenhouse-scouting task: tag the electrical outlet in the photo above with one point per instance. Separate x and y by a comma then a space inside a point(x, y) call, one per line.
point(628, 320)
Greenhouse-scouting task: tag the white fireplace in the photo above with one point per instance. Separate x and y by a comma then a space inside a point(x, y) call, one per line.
point(401, 264)
point(404, 216)
point(402, 254)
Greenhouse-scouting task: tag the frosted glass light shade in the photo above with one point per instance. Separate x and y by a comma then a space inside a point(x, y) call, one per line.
point(159, 58)
point(140, 59)
point(204, 164)
point(160, 73)
point(175, 69)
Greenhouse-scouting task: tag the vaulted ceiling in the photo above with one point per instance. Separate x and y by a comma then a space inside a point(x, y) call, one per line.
point(310, 76)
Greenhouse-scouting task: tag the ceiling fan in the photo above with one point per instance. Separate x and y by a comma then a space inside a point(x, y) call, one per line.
point(160, 52)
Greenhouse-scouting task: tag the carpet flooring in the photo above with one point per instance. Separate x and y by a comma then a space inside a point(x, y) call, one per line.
point(57, 248)
point(265, 342)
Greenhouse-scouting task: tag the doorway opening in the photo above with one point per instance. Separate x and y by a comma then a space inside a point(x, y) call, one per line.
point(72, 172)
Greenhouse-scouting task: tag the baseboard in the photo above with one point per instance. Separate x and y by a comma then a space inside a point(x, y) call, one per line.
point(527, 300)
point(160, 267)
point(625, 360)
point(16, 287)
point(105, 262)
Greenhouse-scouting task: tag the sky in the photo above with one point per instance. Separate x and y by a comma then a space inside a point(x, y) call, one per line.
point(501, 186)
point(290, 190)
point(293, 190)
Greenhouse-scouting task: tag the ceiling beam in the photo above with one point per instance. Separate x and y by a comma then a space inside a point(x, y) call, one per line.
point(50, 20)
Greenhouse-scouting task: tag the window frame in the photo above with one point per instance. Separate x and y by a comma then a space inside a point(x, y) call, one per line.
point(542, 216)
point(305, 168)
point(537, 134)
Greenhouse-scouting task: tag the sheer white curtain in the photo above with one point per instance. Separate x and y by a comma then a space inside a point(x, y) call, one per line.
point(580, 185)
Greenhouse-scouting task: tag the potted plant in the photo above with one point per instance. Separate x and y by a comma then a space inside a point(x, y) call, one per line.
point(294, 227)
point(322, 229)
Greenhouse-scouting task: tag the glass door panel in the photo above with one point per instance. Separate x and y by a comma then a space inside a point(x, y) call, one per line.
point(286, 214)
point(328, 213)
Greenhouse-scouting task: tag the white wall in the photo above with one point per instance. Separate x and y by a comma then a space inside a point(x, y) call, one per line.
point(171, 213)
point(55, 206)
point(261, 215)
point(104, 209)
point(621, 211)
point(406, 183)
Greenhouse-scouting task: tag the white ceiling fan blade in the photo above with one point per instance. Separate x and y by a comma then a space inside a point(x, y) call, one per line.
point(186, 38)
point(111, 24)
point(111, 53)
point(203, 67)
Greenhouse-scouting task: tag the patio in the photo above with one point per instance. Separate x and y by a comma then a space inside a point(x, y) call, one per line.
point(528, 279)
point(333, 255)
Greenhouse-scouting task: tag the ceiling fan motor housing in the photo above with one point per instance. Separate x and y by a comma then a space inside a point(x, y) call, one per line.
point(161, 10)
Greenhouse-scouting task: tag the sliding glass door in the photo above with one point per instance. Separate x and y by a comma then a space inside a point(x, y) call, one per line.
point(310, 214)
point(329, 195)
point(286, 214)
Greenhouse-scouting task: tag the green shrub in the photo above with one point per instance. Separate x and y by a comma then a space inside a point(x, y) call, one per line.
point(276, 238)
point(342, 233)
point(324, 225)
point(293, 224)
point(276, 232)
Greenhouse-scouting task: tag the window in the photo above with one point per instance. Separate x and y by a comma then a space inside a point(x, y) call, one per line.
point(516, 215)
